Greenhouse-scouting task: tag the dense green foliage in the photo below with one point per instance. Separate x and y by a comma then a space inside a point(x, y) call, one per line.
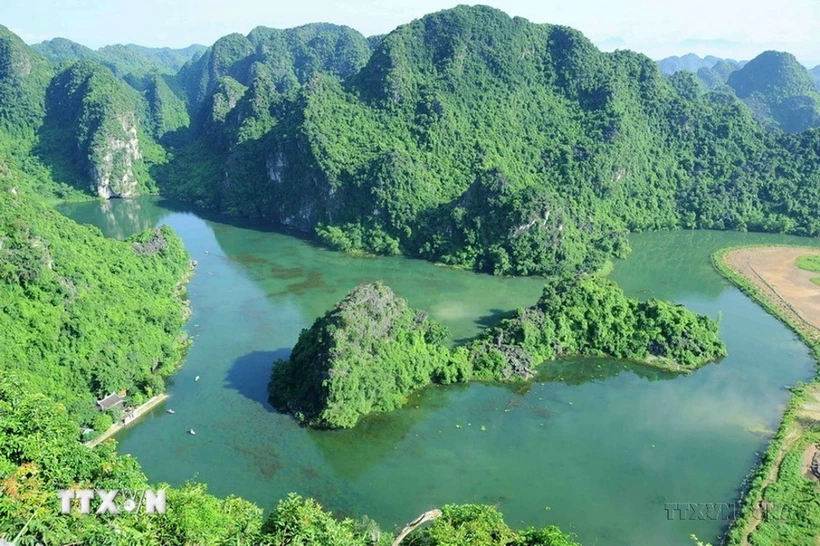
point(491, 143)
point(793, 516)
point(24, 77)
point(80, 124)
point(370, 350)
point(815, 76)
point(80, 315)
point(718, 75)
point(466, 137)
point(484, 526)
point(364, 355)
point(284, 58)
point(592, 316)
point(779, 90)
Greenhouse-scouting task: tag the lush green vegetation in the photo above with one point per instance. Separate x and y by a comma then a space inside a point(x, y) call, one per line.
point(81, 125)
point(88, 107)
point(592, 316)
point(490, 143)
point(285, 59)
point(83, 316)
point(364, 355)
point(717, 76)
point(465, 137)
point(371, 350)
point(793, 514)
point(132, 63)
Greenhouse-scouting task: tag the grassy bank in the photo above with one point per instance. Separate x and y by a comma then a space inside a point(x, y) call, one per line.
point(778, 483)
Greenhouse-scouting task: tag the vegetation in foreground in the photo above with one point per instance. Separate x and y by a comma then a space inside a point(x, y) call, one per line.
point(370, 351)
point(39, 454)
point(82, 316)
point(781, 504)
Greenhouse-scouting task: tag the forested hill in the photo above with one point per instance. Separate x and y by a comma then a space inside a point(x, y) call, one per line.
point(283, 58)
point(492, 143)
point(779, 90)
point(130, 62)
point(466, 137)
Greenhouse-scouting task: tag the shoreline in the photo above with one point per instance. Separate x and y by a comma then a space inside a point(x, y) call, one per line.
point(790, 430)
point(139, 412)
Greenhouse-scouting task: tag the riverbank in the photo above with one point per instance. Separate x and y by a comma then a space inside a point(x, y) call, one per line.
point(138, 412)
point(774, 505)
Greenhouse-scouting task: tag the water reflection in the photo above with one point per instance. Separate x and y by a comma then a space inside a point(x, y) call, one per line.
point(118, 218)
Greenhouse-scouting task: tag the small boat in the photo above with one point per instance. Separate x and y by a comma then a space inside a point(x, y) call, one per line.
point(171, 411)
point(196, 378)
point(192, 432)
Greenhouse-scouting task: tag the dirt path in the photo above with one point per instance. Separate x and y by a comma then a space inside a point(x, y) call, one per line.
point(773, 271)
point(808, 457)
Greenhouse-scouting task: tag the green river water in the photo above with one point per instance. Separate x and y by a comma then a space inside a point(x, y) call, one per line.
point(595, 446)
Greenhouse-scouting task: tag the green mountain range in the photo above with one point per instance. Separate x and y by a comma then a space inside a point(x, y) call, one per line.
point(488, 142)
point(692, 63)
point(781, 92)
point(130, 62)
point(466, 137)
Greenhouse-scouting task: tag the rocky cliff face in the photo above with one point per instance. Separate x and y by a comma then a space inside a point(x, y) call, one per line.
point(88, 108)
point(114, 158)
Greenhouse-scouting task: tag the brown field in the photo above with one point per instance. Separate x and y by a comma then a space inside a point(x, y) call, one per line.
point(773, 271)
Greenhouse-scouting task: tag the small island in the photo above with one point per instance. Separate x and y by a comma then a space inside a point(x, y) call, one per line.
point(591, 316)
point(365, 355)
point(371, 350)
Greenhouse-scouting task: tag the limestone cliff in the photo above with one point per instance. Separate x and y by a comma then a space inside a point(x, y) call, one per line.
point(113, 159)
point(97, 115)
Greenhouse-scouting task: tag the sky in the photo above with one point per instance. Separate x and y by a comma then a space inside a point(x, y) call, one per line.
point(738, 29)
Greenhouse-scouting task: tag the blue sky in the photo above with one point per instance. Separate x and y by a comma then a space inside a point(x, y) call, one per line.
point(659, 28)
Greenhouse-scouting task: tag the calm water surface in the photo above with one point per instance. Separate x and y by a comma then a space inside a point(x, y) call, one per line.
point(595, 446)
